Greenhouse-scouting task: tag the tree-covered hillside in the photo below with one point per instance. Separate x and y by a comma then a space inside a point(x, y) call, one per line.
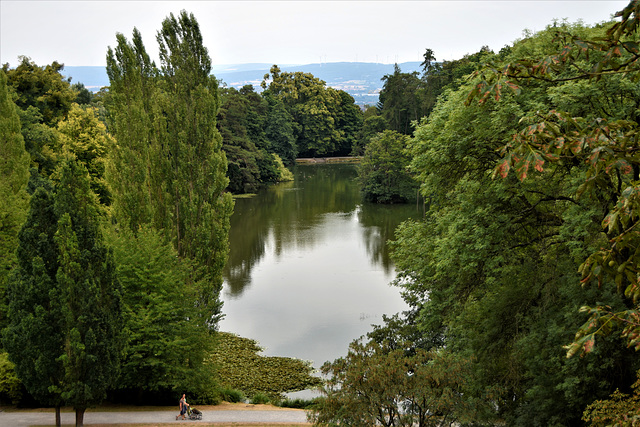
point(522, 279)
point(359, 79)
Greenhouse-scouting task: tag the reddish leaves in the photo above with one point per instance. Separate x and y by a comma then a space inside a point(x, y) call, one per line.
point(609, 149)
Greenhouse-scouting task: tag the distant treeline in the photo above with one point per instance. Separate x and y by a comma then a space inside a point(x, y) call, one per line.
point(294, 114)
point(359, 79)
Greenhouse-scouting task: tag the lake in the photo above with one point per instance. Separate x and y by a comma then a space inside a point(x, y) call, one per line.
point(309, 268)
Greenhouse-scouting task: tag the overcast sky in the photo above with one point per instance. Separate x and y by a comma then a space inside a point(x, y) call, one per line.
point(285, 32)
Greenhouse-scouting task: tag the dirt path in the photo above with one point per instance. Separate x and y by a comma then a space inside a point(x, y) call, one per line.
point(227, 414)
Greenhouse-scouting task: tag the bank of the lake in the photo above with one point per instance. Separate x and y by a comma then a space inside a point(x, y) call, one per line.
point(331, 160)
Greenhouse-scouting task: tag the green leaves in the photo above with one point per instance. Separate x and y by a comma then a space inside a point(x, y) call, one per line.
point(323, 117)
point(14, 175)
point(484, 90)
point(620, 409)
point(382, 173)
point(603, 321)
point(492, 270)
point(377, 385)
point(607, 147)
point(168, 169)
point(163, 328)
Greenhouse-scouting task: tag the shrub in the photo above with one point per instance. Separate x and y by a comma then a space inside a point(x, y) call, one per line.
point(298, 403)
point(10, 386)
point(232, 395)
point(260, 399)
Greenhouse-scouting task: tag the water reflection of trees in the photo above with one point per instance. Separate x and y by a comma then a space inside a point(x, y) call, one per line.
point(284, 216)
point(379, 224)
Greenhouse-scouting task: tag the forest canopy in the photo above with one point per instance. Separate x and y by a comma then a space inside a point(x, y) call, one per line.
point(521, 279)
point(524, 265)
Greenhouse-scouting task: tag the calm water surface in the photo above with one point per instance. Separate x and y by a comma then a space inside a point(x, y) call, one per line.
point(309, 269)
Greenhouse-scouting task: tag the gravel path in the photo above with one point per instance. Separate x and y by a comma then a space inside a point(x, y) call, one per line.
point(25, 419)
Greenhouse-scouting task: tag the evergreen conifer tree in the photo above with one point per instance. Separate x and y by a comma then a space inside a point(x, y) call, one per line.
point(65, 321)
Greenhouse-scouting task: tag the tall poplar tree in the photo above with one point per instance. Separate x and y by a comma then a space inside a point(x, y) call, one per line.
point(180, 167)
point(14, 175)
point(131, 73)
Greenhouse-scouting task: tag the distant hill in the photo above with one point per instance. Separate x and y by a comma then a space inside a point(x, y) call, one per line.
point(362, 80)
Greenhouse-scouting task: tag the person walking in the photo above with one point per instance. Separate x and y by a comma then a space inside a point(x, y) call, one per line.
point(183, 407)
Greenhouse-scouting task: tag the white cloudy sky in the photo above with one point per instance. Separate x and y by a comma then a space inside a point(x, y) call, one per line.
point(285, 32)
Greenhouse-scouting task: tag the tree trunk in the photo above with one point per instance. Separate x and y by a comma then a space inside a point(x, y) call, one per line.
point(58, 420)
point(79, 417)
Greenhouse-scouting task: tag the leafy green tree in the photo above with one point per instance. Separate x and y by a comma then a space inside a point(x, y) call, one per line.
point(64, 332)
point(313, 106)
point(11, 388)
point(348, 121)
point(399, 100)
point(603, 139)
point(256, 116)
point(282, 173)
point(83, 95)
point(83, 135)
point(280, 131)
point(196, 178)
point(166, 344)
point(620, 409)
point(240, 122)
point(407, 97)
point(44, 98)
point(491, 271)
point(130, 168)
point(88, 296)
point(371, 126)
point(44, 88)
point(437, 76)
point(382, 173)
point(376, 385)
point(14, 175)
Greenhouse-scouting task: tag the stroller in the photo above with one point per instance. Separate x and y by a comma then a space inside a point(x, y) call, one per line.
point(194, 414)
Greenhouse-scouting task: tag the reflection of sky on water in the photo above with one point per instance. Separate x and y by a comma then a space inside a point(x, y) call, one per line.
point(311, 297)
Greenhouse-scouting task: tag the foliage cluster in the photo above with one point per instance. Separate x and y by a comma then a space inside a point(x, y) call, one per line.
point(382, 171)
point(378, 385)
point(404, 99)
point(325, 121)
point(603, 138)
point(620, 409)
point(493, 272)
point(251, 155)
